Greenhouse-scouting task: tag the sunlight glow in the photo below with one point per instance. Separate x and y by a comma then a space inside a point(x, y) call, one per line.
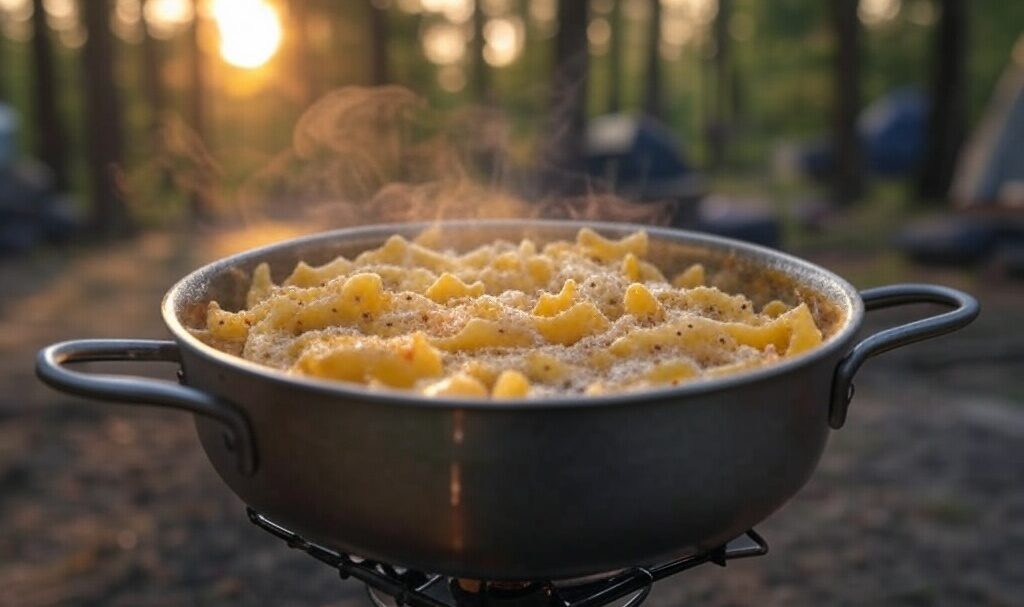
point(250, 31)
point(166, 18)
point(456, 11)
point(444, 43)
point(129, 11)
point(543, 10)
point(875, 12)
point(126, 20)
point(684, 22)
point(61, 15)
point(21, 9)
point(544, 14)
point(504, 41)
point(676, 31)
point(698, 12)
point(14, 19)
point(599, 34)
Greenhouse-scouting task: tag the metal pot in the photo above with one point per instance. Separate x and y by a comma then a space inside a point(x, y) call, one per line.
point(539, 489)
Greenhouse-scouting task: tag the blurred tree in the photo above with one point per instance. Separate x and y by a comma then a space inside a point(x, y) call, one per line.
point(569, 91)
point(152, 87)
point(481, 82)
point(49, 125)
point(103, 122)
point(380, 74)
point(788, 62)
point(722, 96)
point(615, 58)
point(196, 92)
point(652, 92)
point(199, 197)
point(947, 120)
point(153, 92)
point(3, 72)
point(847, 178)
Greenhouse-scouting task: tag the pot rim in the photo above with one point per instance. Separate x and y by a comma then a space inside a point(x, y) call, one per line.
point(853, 308)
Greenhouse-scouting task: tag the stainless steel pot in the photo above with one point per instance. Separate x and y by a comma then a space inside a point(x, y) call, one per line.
point(541, 489)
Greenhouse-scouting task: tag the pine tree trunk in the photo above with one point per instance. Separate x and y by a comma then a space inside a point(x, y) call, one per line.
point(4, 72)
point(847, 175)
point(481, 80)
point(379, 72)
point(718, 129)
point(569, 88)
point(104, 139)
point(947, 120)
point(196, 93)
point(196, 103)
point(49, 125)
point(615, 59)
point(652, 94)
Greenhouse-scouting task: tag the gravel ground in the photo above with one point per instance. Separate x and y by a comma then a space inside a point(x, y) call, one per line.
point(918, 501)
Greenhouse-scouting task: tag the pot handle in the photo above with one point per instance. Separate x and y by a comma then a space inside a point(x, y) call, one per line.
point(50, 367)
point(965, 310)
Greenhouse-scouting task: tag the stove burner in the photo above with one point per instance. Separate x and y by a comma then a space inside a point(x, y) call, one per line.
point(391, 586)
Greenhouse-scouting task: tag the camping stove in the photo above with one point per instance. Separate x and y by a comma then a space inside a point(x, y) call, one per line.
point(391, 586)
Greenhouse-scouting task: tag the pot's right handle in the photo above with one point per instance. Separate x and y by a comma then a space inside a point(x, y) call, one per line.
point(965, 310)
point(50, 367)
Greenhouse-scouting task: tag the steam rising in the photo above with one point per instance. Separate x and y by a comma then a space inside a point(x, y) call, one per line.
point(373, 155)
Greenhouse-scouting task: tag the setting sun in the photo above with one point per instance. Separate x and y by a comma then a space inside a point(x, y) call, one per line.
point(250, 31)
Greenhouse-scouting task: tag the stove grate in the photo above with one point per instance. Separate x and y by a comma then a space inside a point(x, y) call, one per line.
point(412, 588)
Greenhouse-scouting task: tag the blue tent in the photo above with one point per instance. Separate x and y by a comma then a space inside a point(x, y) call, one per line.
point(892, 135)
point(31, 208)
point(640, 158)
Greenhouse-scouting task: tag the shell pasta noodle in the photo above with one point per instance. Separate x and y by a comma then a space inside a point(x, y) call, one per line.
point(508, 320)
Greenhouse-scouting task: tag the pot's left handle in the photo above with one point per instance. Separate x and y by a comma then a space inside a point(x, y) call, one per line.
point(50, 367)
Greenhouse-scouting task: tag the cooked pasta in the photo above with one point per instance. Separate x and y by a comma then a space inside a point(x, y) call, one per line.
point(507, 321)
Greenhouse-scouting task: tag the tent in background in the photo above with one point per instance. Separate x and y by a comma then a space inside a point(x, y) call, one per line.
point(988, 187)
point(991, 166)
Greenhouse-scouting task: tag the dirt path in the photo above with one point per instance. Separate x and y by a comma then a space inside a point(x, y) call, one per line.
point(918, 501)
